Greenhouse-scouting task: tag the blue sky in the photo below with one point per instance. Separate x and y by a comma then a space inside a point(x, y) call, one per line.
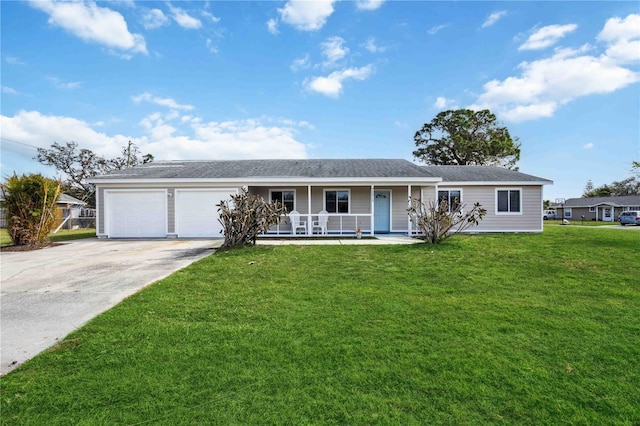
point(331, 79)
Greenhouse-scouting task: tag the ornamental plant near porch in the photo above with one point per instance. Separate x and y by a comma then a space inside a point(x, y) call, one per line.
point(246, 216)
point(439, 222)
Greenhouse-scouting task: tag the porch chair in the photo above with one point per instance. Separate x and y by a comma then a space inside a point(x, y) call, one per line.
point(296, 223)
point(321, 223)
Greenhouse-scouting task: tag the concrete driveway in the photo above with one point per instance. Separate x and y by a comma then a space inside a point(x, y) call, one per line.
point(46, 294)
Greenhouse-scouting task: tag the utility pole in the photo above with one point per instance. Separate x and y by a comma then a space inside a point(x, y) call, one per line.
point(129, 155)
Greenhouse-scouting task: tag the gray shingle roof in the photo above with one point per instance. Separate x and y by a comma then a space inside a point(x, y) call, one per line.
point(232, 169)
point(315, 168)
point(481, 173)
point(623, 201)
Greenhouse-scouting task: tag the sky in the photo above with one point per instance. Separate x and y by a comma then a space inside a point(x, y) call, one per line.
point(196, 80)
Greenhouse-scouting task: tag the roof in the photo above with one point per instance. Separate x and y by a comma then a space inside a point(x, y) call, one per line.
point(315, 169)
point(482, 174)
point(237, 169)
point(68, 199)
point(622, 201)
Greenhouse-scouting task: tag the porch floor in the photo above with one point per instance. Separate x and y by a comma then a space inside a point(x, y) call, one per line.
point(377, 240)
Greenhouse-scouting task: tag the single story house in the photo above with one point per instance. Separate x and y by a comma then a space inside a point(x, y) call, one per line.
point(605, 209)
point(179, 198)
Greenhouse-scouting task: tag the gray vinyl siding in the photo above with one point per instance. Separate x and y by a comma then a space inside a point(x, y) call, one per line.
point(530, 219)
point(171, 211)
point(100, 211)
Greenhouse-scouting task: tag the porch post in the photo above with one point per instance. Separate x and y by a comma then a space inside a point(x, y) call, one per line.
point(409, 205)
point(372, 208)
point(309, 228)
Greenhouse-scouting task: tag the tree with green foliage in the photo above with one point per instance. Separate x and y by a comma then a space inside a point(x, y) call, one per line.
point(80, 164)
point(439, 221)
point(466, 137)
point(30, 203)
point(628, 186)
point(246, 216)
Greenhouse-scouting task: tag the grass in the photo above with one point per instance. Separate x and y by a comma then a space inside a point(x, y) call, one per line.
point(486, 329)
point(62, 235)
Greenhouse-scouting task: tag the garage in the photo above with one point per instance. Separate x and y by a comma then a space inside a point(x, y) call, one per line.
point(136, 214)
point(197, 212)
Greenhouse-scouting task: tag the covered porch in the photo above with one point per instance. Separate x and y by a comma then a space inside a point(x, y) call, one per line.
point(342, 210)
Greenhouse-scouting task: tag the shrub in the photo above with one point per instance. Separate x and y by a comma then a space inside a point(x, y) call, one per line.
point(246, 216)
point(438, 222)
point(30, 202)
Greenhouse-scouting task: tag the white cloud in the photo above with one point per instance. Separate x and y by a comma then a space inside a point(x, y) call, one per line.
point(189, 139)
point(213, 48)
point(272, 26)
point(369, 4)
point(13, 60)
point(444, 103)
point(493, 18)
point(92, 23)
point(64, 85)
point(546, 84)
point(332, 84)
point(153, 18)
point(34, 128)
point(306, 15)
point(433, 30)
point(166, 102)
point(183, 19)
point(9, 91)
point(210, 16)
point(333, 49)
point(372, 47)
point(547, 36)
point(623, 38)
point(300, 63)
point(588, 146)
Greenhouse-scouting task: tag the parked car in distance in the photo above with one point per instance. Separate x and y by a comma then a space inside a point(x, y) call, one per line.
point(631, 217)
point(548, 214)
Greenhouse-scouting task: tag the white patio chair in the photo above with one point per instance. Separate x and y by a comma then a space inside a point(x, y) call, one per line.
point(296, 223)
point(321, 223)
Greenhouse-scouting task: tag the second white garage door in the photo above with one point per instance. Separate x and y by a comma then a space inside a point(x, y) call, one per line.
point(197, 212)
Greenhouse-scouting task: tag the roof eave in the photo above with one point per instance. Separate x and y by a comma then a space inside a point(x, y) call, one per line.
point(300, 181)
point(498, 183)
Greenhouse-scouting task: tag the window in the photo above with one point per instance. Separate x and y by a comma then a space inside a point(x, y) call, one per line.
point(509, 201)
point(453, 198)
point(592, 209)
point(336, 201)
point(567, 212)
point(286, 196)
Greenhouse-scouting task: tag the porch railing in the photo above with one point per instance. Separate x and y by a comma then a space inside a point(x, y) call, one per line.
point(337, 224)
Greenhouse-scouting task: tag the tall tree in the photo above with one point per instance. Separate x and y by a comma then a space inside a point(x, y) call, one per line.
point(80, 164)
point(466, 137)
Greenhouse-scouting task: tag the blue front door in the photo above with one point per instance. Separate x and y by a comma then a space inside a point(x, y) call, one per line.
point(382, 211)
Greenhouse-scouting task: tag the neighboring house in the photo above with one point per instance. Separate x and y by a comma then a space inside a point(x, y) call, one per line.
point(72, 213)
point(180, 198)
point(605, 209)
point(66, 207)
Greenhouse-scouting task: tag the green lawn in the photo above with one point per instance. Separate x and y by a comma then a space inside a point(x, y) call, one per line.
point(62, 235)
point(486, 329)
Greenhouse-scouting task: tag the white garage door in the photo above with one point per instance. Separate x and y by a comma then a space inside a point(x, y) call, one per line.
point(136, 214)
point(197, 212)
